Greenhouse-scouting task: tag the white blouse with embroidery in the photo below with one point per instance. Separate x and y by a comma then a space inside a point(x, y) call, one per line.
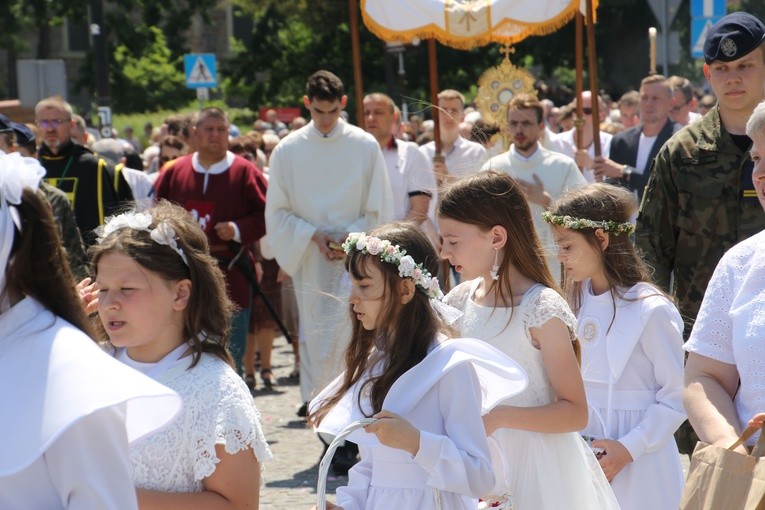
point(730, 325)
point(218, 409)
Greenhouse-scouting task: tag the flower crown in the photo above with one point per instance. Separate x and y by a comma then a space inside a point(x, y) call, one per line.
point(393, 254)
point(608, 226)
point(163, 233)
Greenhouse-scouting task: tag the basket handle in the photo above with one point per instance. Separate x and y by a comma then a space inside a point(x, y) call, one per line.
point(321, 486)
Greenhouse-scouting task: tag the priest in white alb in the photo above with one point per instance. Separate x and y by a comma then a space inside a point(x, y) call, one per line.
point(326, 179)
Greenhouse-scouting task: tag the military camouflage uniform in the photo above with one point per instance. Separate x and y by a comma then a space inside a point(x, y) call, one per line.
point(67, 226)
point(692, 211)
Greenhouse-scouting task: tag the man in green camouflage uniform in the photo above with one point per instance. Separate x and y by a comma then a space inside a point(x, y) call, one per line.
point(700, 199)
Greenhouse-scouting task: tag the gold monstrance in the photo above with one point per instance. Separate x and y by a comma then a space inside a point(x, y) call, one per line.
point(497, 87)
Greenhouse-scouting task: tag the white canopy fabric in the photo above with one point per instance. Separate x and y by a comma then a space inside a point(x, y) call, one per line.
point(467, 23)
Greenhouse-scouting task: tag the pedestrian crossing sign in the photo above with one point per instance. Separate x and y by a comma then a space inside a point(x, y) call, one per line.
point(201, 70)
point(699, 29)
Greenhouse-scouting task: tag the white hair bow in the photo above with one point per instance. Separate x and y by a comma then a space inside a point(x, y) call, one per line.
point(16, 173)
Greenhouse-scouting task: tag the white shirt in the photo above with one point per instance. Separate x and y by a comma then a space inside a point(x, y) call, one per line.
point(465, 158)
point(730, 325)
point(566, 144)
point(644, 150)
point(410, 174)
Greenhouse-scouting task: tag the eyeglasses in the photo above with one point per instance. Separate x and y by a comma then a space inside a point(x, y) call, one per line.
point(587, 110)
point(51, 123)
point(677, 108)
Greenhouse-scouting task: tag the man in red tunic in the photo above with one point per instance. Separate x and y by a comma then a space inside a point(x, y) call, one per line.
point(227, 195)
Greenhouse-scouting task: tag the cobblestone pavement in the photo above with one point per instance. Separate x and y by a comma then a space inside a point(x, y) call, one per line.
point(290, 478)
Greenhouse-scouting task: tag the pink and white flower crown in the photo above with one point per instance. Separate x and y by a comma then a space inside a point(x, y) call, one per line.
point(393, 254)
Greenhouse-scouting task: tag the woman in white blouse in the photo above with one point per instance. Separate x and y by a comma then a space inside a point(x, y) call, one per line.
point(724, 378)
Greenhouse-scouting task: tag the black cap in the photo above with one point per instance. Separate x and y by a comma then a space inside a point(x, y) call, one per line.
point(734, 36)
point(5, 124)
point(24, 135)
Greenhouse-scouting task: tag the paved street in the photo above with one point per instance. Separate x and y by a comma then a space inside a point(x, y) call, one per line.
point(290, 479)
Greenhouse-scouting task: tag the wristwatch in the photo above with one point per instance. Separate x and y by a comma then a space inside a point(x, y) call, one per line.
point(626, 172)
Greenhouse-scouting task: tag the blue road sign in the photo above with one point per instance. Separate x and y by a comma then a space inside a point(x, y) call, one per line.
point(699, 29)
point(704, 14)
point(201, 70)
point(707, 8)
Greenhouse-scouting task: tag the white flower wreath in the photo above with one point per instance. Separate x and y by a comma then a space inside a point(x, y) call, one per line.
point(163, 233)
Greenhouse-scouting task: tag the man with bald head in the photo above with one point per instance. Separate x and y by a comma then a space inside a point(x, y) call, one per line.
point(411, 178)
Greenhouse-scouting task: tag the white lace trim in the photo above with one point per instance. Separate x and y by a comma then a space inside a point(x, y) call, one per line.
point(543, 304)
point(218, 409)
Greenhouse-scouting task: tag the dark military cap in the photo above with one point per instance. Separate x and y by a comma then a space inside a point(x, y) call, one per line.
point(5, 124)
point(24, 135)
point(734, 36)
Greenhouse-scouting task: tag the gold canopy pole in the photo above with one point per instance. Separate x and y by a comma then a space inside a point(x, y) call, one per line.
point(590, 24)
point(579, 66)
point(356, 49)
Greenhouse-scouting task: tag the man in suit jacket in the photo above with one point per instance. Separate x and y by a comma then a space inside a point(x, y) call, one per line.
point(633, 150)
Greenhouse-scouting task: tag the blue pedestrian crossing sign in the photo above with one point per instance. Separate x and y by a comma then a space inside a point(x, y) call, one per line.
point(201, 70)
point(704, 14)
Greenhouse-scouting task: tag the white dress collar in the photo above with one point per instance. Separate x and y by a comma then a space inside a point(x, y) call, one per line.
point(499, 376)
point(52, 374)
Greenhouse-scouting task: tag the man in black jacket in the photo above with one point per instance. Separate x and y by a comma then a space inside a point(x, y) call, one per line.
point(84, 177)
point(633, 150)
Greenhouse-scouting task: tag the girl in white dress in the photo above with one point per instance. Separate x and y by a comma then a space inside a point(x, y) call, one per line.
point(512, 302)
point(162, 302)
point(427, 449)
point(632, 346)
point(69, 409)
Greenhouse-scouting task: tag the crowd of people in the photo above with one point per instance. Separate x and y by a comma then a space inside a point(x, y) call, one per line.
point(494, 326)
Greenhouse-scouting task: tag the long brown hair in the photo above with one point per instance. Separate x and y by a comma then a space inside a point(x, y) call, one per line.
point(487, 199)
point(38, 265)
point(404, 332)
point(493, 198)
point(622, 265)
point(207, 321)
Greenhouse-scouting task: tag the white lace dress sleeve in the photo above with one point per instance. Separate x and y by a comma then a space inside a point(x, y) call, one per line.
point(547, 304)
point(459, 295)
point(218, 410)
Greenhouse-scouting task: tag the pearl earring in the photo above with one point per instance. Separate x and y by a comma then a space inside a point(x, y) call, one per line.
point(495, 268)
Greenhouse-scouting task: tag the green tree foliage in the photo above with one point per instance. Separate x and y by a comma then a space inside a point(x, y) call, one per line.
point(290, 40)
point(149, 79)
point(23, 16)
